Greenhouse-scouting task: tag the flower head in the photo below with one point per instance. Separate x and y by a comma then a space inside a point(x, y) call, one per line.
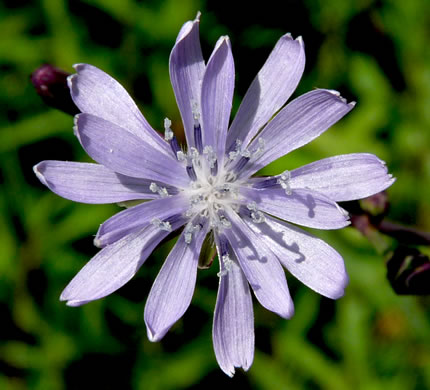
point(210, 189)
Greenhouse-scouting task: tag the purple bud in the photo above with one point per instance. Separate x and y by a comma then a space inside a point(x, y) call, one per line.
point(408, 271)
point(51, 85)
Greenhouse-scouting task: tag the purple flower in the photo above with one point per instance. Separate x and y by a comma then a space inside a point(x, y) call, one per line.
point(209, 189)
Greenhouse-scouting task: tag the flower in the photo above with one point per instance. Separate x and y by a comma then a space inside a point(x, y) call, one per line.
point(211, 189)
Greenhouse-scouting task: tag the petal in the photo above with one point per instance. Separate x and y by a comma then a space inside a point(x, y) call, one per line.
point(92, 183)
point(113, 266)
point(308, 258)
point(274, 84)
point(125, 153)
point(261, 267)
point(96, 93)
point(345, 177)
point(217, 96)
point(233, 328)
point(187, 67)
point(301, 121)
point(304, 207)
point(134, 218)
point(173, 288)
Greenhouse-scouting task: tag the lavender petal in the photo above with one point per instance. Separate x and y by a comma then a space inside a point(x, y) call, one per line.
point(134, 218)
point(125, 153)
point(187, 67)
point(261, 267)
point(217, 96)
point(97, 93)
point(173, 288)
point(91, 183)
point(308, 258)
point(345, 177)
point(113, 266)
point(274, 84)
point(304, 207)
point(301, 121)
point(233, 327)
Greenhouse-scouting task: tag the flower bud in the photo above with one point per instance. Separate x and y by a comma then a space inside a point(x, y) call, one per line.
point(51, 85)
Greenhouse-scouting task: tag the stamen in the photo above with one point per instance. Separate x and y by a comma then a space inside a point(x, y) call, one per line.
point(175, 146)
point(191, 173)
point(226, 187)
point(196, 112)
point(198, 137)
point(283, 181)
point(162, 225)
point(180, 155)
point(234, 154)
point(225, 223)
point(227, 265)
point(270, 182)
point(194, 155)
point(256, 215)
point(241, 163)
point(223, 246)
point(162, 191)
point(230, 177)
point(220, 222)
point(189, 231)
point(214, 169)
point(210, 156)
point(196, 199)
point(260, 149)
point(246, 153)
point(168, 133)
point(170, 137)
point(197, 128)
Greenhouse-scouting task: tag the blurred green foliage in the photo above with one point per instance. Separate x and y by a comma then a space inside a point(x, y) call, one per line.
point(373, 52)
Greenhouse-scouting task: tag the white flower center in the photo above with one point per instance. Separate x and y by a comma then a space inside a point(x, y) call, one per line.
point(211, 195)
point(213, 192)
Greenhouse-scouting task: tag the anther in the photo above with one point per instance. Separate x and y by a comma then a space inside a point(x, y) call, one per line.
point(283, 181)
point(270, 182)
point(162, 225)
point(223, 246)
point(194, 155)
point(235, 153)
point(198, 137)
point(241, 163)
point(162, 191)
point(256, 215)
point(189, 231)
point(180, 155)
point(191, 173)
point(197, 128)
point(225, 223)
point(168, 133)
point(210, 156)
point(227, 265)
point(230, 177)
point(169, 136)
point(260, 149)
point(214, 169)
point(196, 199)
